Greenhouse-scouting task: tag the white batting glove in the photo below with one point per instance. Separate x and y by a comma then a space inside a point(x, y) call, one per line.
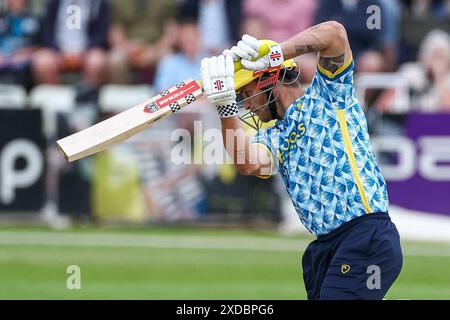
point(218, 83)
point(247, 50)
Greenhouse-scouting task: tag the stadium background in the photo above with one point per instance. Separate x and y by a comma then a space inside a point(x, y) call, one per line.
point(140, 225)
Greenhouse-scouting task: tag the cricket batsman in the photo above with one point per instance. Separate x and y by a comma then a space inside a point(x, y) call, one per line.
point(320, 146)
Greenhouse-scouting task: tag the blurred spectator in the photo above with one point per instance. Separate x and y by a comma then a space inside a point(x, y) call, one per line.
point(18, 30)
point(219, 22)
point(427, 8)
point(74, 36)
point(142, 32)
point(419, 17)
point(429, 78)
point(391, 9)
point(185, 63)
point(279, 20)
point(374, 50)
point(37, 7)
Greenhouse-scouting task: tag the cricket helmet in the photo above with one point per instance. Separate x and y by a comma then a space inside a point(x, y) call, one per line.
point(286, 73)
point(243, 77)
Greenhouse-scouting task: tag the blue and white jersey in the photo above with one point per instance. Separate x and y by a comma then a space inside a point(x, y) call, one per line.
point(322, 150)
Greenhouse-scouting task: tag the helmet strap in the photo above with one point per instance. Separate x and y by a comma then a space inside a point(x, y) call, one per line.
point(264, 83)
point(272, 105)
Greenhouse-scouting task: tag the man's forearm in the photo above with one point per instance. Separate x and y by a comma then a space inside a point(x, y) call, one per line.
point(313, 39)
point(328, 38)
point(237, 143)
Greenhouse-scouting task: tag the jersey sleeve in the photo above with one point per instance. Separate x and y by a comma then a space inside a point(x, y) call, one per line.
point(338, 87)
point(268, 140)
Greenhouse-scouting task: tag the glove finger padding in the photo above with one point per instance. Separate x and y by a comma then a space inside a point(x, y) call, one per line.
point(218, 80)
point(242, 54)
point(273, 59)
point(247, 48)
point(259, 64)
point(252, 42)
point(213, 68)
point(229, 74)
point(228, 52)
point(229, 68)
point(206, 80)
point(221, 66)
point(251, 52)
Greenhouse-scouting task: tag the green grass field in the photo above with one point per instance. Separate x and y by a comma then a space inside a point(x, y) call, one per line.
point(184, 264)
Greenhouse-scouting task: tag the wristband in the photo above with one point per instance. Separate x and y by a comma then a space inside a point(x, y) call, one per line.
point(275, 56)
point(229, 110)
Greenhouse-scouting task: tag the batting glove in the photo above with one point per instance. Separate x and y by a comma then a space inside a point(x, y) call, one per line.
point(247, 50)
point(218, 83)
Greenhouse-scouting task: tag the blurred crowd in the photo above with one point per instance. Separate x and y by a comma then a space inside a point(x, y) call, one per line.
point(89, 43)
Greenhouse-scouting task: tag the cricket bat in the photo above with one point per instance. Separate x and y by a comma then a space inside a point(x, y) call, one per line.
point(126, 124)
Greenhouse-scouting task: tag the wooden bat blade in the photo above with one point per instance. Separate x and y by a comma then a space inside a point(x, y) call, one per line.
point(129, 122)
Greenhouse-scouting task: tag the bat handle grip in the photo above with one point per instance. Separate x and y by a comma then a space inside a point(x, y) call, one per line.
point(237, 66)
